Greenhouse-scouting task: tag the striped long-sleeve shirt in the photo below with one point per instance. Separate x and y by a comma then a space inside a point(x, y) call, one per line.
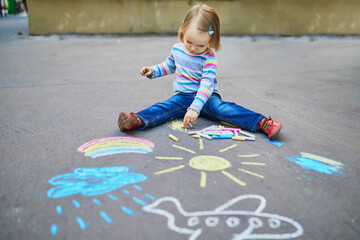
point(193, 74)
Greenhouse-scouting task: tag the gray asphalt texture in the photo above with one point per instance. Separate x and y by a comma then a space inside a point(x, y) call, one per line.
point(59, 92)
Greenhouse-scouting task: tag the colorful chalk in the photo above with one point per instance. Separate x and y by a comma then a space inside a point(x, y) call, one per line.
point(173, 138)
point(213, 133)
point(218, 131)
point(231, 129)
point(246, 134)
point(205, 136)
point(224, 136)
point(212, 130)
point(249, 139)
point(238, 138)
point(211, 127)
point(221, 132)
point(193, 132)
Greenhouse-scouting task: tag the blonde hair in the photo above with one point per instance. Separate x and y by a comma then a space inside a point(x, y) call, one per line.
point(205, 16)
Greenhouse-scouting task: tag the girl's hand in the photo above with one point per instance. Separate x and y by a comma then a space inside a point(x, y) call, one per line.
point(146, 71)
point(190, 117)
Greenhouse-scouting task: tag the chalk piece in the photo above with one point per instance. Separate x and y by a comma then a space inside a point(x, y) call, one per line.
point(238, 138)
point(245, 138)
point(249, 139)
point(173, 138)
point(213, 133)
point(225, 136)
point(196, 136)
point(246, 134)
point(205, 136)
point(211, 127)
point(226, 132)
point(193, 132)
point(231, 129)
point(212, 130)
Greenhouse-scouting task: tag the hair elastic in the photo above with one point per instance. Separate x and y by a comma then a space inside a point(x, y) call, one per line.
point(211, 32)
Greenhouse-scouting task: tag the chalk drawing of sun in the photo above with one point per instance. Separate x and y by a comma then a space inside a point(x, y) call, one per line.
point(210, 163)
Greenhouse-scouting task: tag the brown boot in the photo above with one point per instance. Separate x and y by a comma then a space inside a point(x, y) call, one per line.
point(128, 121)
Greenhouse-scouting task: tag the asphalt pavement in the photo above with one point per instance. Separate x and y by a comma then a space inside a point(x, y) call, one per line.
point(67, 172)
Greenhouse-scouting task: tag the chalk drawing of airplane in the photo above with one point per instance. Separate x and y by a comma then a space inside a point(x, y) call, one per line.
point(241, 224)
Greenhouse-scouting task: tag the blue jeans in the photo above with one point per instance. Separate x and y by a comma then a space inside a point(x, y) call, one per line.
point(214, 109)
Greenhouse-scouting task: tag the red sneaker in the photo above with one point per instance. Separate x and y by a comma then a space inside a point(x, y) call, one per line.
point(270, 127)
point(128, 121)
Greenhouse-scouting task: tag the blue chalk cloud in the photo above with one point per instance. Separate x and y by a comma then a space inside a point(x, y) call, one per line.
point(92, 181)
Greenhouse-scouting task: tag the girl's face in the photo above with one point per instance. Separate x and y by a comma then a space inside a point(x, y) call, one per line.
point(196, 42)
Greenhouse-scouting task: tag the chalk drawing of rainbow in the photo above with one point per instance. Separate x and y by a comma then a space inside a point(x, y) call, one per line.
point(116, 145)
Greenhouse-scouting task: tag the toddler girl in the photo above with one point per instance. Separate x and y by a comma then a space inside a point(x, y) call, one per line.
point(195, 85)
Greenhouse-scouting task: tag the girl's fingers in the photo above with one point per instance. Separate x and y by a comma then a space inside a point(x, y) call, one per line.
point(185, 122)
point(145, 71)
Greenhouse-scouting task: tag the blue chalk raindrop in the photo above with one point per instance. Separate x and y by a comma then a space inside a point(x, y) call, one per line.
point(105, 217)
point(149, 196)
point(127, 210)
point(76, 203)
point(81, 223)
point(96, 201)
point(54, 229)
point(59, 210)
point(139, 201)
point(112, 197)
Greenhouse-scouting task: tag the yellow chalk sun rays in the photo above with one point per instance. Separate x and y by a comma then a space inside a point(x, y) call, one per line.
point(210, 163)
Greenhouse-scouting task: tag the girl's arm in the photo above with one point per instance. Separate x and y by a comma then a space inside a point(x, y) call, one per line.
point(207, 84)
point(166, 68)
point(204, 92)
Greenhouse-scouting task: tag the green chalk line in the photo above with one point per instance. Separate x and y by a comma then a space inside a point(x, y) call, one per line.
point(322, 159)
